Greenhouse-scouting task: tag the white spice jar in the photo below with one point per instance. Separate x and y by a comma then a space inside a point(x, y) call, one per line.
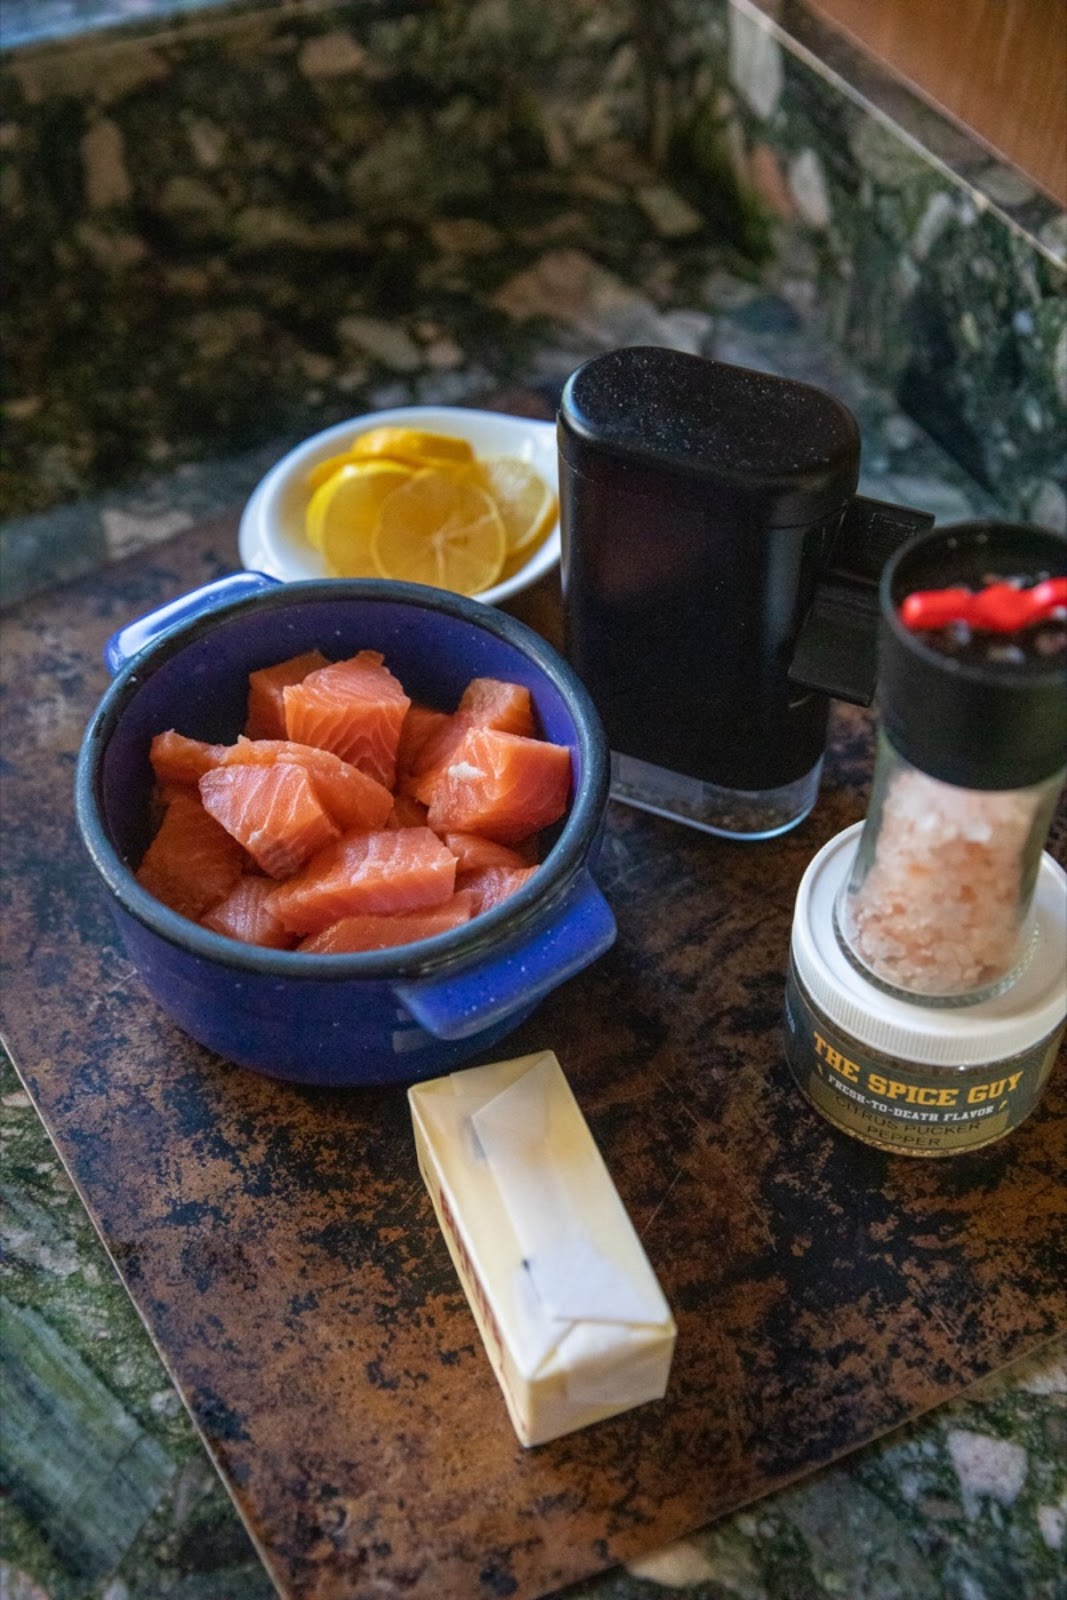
point(911, 1078)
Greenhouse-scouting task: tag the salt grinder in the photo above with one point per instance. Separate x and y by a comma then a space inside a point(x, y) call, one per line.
point(720, 580)
point(971, 755)
point(927, 985)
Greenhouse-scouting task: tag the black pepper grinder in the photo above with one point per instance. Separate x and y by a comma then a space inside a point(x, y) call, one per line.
point(720, 580)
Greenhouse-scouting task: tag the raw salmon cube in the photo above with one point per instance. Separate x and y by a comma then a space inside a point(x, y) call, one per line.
point(485, 703)
point(192, 863)
point(488, 886)
point(177, 759)
point(352, 799)
point(492, 703)
point(266, 708)
point(355, 708)
point(501, 785)
point(245, 915)
point(273, 811)
point(382, 932)
point(420, 724)
point(398, 869)
point(473, 851)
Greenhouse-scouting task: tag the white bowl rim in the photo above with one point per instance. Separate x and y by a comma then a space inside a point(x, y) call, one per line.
point(256, 540)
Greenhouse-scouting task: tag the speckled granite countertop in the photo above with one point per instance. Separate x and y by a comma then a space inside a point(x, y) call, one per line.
point(703, 182)
point(230, 224)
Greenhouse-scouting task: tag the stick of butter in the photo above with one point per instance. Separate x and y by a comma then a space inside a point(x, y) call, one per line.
point(572, 1318)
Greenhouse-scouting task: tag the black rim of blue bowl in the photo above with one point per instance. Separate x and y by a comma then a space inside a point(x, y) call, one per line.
point(531, 904)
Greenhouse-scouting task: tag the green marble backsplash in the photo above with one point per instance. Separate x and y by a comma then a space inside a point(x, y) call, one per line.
point(230, 226)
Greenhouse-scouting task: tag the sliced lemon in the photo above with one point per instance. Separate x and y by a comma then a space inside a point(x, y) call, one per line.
point(412, 445)
point(440, 530)
point(528, 506)
point(342, 514)
point(319, 474)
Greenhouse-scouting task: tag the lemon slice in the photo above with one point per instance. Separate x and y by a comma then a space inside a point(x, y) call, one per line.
point(440, 530)
point(319, 474)
point(414, 446)
point(342, 514)
point(528, 507)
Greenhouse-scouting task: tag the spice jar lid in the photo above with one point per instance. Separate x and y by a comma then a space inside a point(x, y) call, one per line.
point(947, 1036)
point(980, 724)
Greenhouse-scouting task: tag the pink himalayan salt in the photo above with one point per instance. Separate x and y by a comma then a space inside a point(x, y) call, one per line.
point(939, 910)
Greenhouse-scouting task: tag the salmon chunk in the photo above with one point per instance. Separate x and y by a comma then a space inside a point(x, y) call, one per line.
point(245, 915)
point(355, 708)
point(501, 785)
point(272, 810)
point(485, 703)
point(383, 931)
point(266, 707)
point(488, 886)
point(192, 862)
point(394, 870)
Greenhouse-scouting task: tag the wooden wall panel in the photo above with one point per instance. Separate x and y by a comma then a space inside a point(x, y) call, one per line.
point(997, 66)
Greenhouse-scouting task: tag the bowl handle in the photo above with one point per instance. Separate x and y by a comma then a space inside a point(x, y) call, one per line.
point(521, 975)
point(131, 639)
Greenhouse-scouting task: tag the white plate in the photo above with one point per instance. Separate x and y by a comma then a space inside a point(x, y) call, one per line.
point(271, 538)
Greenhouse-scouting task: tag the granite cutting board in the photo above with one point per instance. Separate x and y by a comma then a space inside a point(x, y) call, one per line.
point(281, 1248)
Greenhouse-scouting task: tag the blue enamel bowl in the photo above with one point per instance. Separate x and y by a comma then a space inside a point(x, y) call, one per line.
point(390, 1016)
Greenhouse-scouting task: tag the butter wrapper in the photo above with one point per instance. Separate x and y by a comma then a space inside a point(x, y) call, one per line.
point(571, 1315)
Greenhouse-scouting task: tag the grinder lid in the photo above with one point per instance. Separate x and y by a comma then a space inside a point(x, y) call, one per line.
point(782, 452)
point(978, 721)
